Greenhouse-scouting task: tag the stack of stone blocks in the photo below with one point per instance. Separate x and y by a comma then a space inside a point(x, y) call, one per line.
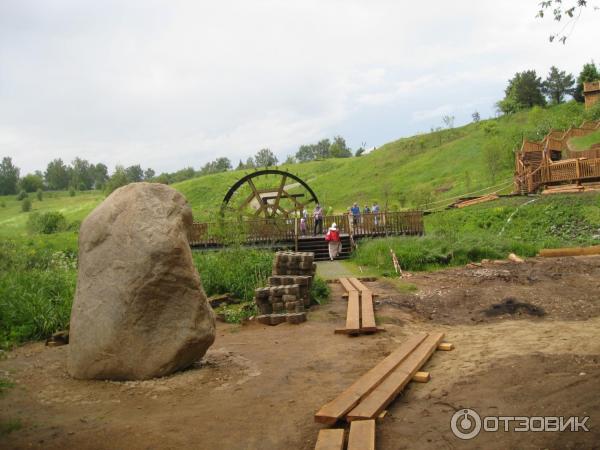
point(287, 296)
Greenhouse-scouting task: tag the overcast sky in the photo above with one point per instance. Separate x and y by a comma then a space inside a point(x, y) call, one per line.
point(170, 84)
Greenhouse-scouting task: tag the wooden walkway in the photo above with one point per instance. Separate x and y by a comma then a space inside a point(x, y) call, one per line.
point(360, 316)
point(368, 397)
point(288, 230)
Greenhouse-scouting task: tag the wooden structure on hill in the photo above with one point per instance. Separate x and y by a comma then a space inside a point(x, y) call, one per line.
point(553, 161)
point(591, 92)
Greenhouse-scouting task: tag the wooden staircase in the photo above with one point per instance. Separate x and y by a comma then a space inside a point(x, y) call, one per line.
point(320, 247)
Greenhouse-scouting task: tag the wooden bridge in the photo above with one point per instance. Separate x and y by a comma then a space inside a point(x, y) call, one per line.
point(287, 232)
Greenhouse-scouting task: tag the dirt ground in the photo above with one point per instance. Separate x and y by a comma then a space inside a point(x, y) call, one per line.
point(526, 342)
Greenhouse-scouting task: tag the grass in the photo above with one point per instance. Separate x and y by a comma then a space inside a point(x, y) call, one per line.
point(456, 237)
point(585, 142)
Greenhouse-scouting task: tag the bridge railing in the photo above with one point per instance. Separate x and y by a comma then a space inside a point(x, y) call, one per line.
point(256, 231)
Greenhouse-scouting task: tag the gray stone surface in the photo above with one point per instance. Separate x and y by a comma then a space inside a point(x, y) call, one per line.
point(139, 310)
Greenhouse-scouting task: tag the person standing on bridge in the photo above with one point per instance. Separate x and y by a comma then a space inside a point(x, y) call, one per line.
point(335, 243)
point(318, 216)
point(355, 210)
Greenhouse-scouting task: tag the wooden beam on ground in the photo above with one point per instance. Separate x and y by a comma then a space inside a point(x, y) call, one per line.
point(475, 201)
point(421, 377)
point(353, 311)
point(572, 251)
point(331, 412)
point(362, 435)
point(446, 346)
point(367, 324)
point(379, 398)
point(330, 439)
point(345, 331)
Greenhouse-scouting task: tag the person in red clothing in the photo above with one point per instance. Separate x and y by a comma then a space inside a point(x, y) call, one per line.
point(335, 243)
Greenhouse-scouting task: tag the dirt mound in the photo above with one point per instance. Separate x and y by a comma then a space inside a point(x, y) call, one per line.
point(538, 289)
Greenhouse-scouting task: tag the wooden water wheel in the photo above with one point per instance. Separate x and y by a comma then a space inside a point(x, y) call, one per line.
point(268, 193)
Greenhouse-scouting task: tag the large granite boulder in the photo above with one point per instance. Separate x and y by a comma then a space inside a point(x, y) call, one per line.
point(139, 310)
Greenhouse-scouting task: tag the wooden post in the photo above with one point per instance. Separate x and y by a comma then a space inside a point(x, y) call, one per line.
point(296, 233)
point(578, 171)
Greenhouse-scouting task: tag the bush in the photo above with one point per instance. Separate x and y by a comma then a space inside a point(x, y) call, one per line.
point(40, 195)
point(22, 195)
point(71, 192)
point(46, 223)
point(26, 205)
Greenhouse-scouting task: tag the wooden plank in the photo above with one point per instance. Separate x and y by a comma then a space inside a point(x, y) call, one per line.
point(573, 251)
point(380, 397)
point(345, 331)
point(446, 346)
point(367, 323)
point(362, 435)
point(421, 377)
point(338, 407)
point(345, 282)
point(353, 313)
point(330, 439)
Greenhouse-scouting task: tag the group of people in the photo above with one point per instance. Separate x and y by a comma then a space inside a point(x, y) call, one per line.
point(354, 210)
point(333, 235)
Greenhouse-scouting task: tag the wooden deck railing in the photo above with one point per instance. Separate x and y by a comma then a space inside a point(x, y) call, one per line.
point(258, 231)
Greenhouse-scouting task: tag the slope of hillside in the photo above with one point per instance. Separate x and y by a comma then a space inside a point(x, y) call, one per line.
point(411, 171)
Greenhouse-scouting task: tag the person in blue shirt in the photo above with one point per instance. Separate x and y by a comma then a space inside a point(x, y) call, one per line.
point(355, 210)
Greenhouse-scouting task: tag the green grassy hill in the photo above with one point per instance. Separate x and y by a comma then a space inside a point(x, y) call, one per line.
point(585, 142)
point(411, 171)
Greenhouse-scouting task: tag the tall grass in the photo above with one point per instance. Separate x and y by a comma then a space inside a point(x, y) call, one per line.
point(234, 270)
point(456, 237)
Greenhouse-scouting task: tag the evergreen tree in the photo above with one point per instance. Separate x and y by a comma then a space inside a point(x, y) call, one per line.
point(524, 90)
point(9, 176)
point(557, 85)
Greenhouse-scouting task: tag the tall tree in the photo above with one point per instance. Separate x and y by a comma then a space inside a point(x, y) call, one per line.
point(57, 175)
point(134, 173)
point(9, 176)
point(81, 175)
point(322, 149)
point(588, 73)
point(265, 158)
point(149, 174)
point(558, 84)
point(99, 175)
point(339, 149)
point(118, 178)
point(306, 153)
point(31, 183)
point(524, 90)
